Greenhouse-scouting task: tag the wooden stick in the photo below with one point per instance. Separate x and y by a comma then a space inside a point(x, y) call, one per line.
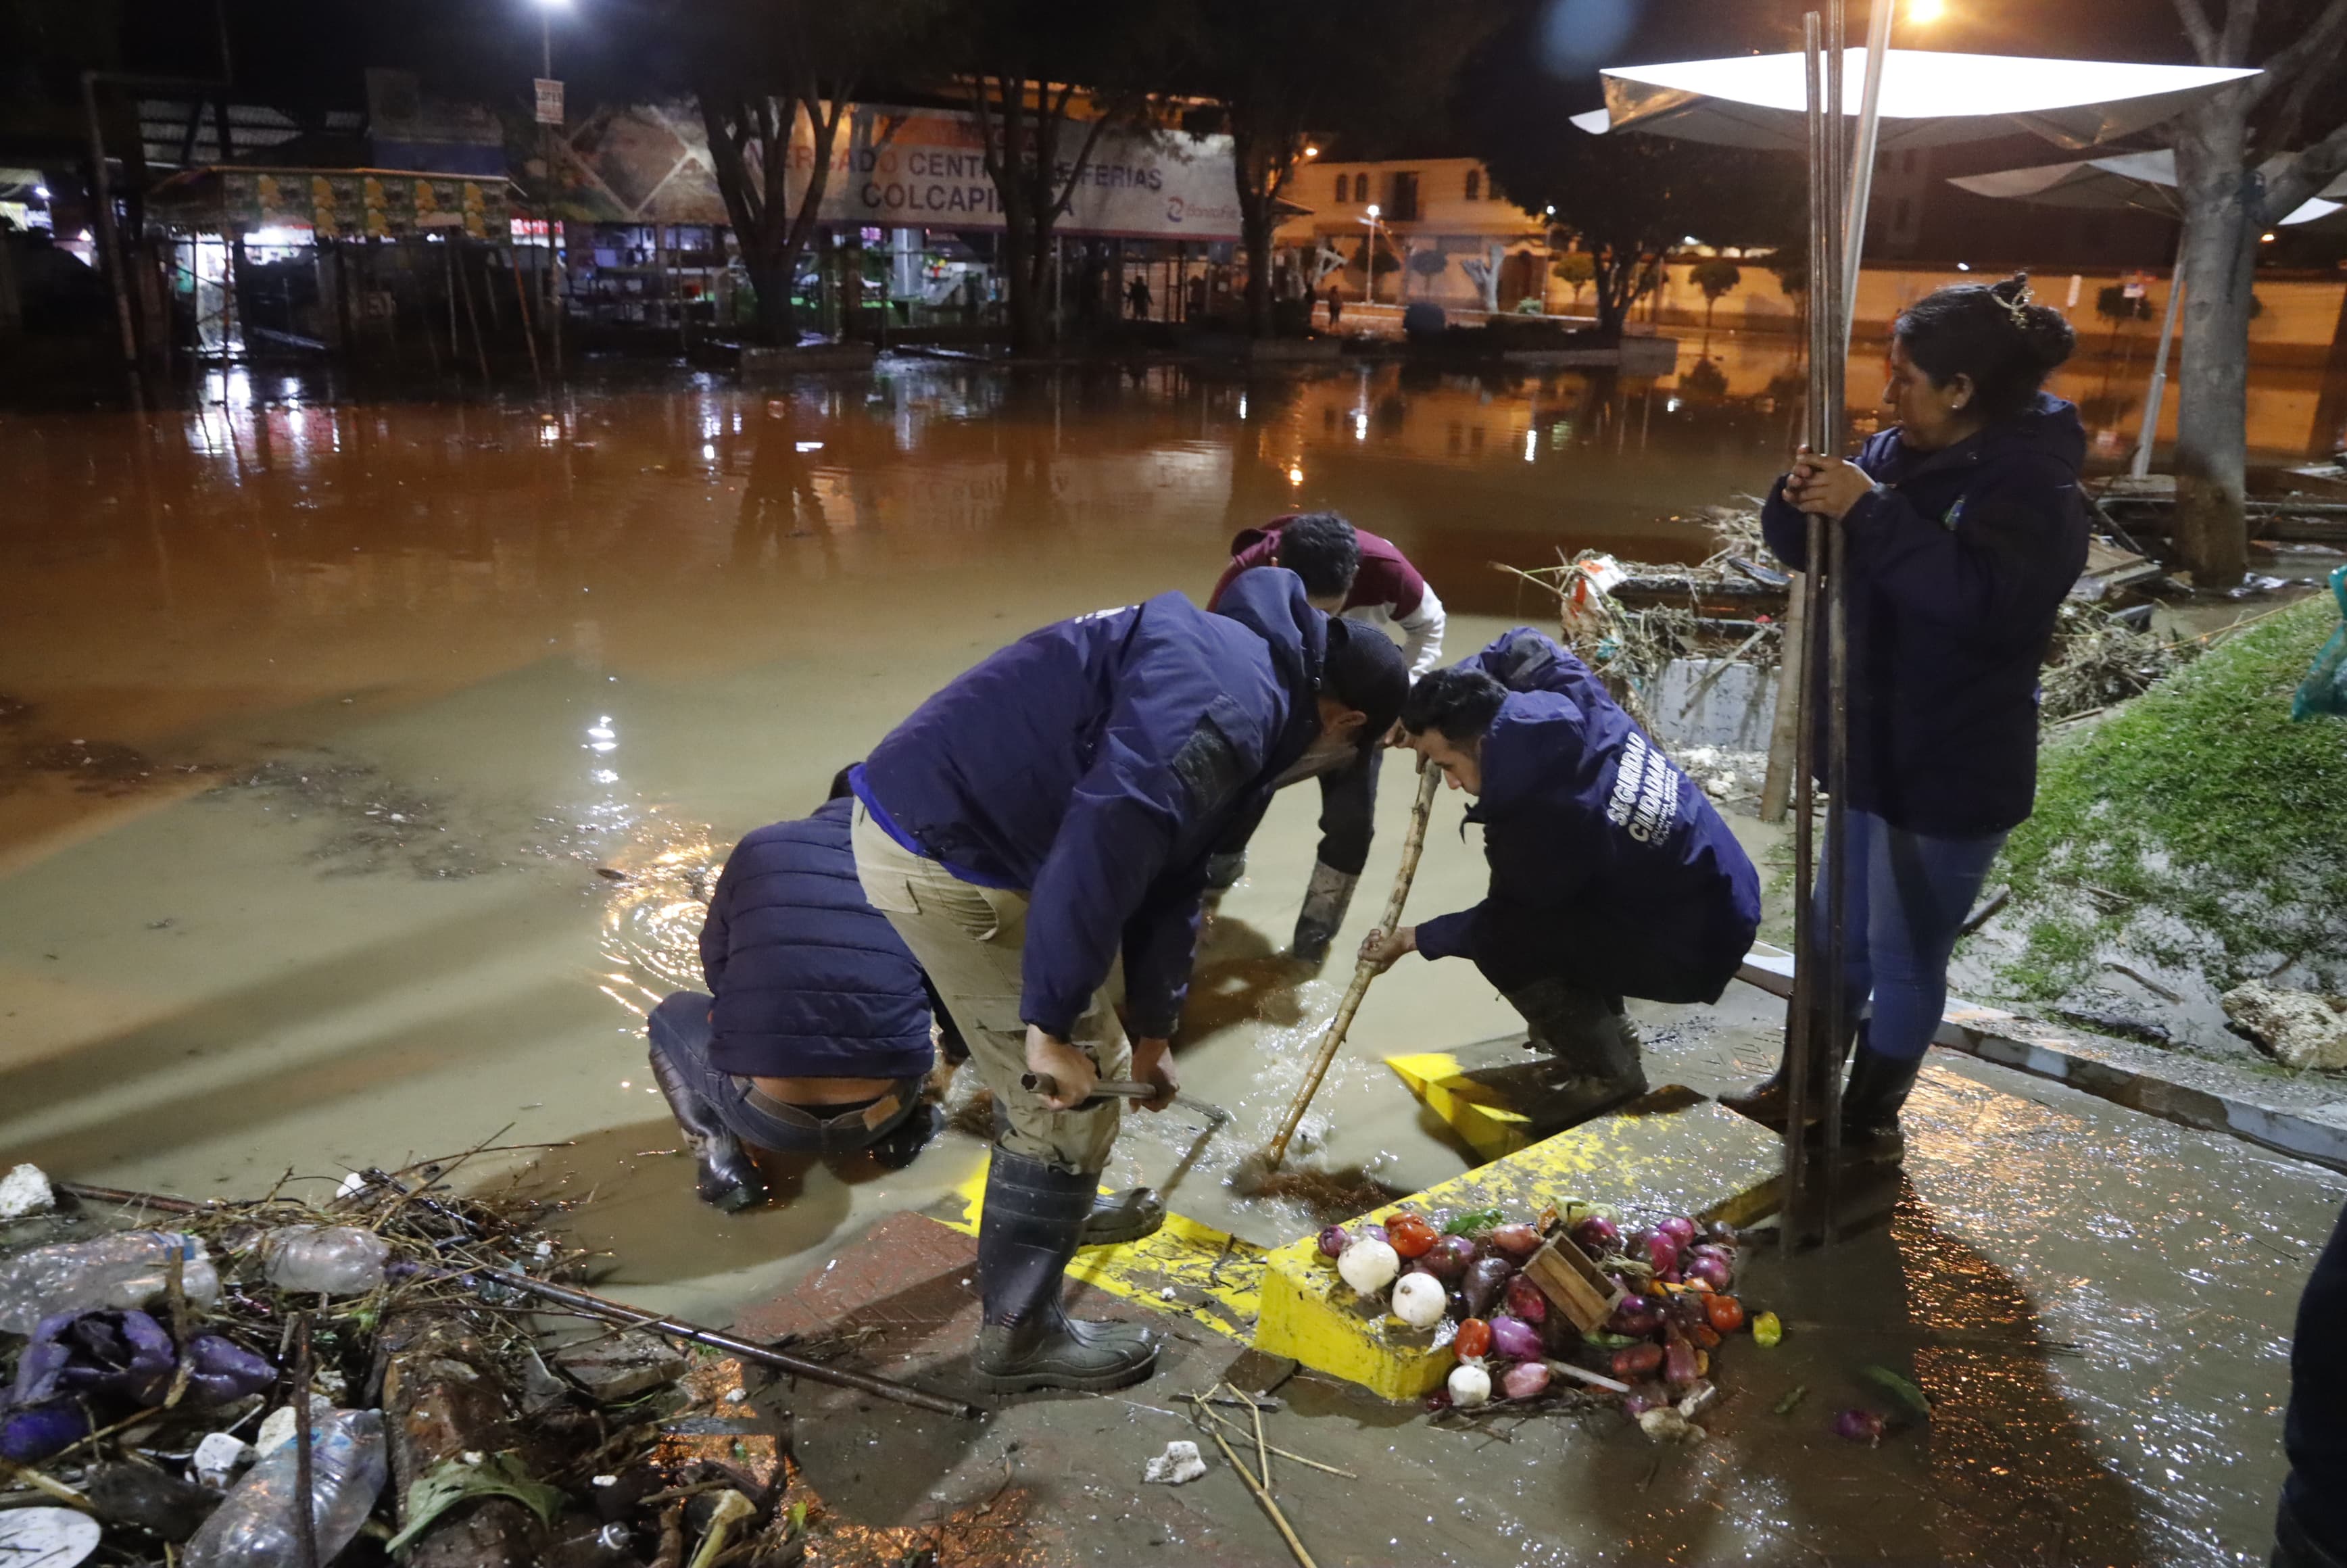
point(1428, 778)
point(1269, 1506)
point(40, 1482)
point(1201, 1400)
point(305, 1501)
point(1261, 1451)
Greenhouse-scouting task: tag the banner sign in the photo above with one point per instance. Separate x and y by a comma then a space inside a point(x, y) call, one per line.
point(376, 204)
point(894, 167)
point(550, 101)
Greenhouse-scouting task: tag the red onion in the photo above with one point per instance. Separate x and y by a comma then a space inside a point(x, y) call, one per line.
point(1658, 1247)
point(1672, 1277)
point(1723, 1232)
point(1372, 1233)
point(1513, 1339)
point(1333, 1240)
point(1643, 1398)
point(1714, 1272)
point(1526, 1380)
point(1637, 1315)
point(1525, 1300)
point(1678, 1227)
point(1449, 1259)
point(1859, 1426)
point(1484, 1278)
point(1517, 1241)
point(1679, 1365)
point(1597, 1235)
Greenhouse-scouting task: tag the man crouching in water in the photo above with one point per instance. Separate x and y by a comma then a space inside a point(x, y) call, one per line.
point(1612, 875)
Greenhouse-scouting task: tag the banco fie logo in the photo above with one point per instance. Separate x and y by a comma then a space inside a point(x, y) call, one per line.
point(1174, 209)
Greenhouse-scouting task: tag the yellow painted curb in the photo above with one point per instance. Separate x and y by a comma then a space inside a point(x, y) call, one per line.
point(1215, 1278)
point(1473, 1110)
point(1672, 1152)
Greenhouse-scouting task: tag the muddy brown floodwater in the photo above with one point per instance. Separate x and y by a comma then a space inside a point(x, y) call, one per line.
point(363, 767)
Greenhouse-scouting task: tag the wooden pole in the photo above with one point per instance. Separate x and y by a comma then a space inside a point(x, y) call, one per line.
point(528, 328)
point(1785, 724)
point(473, 320)
point(1286, 1531)
point(1429, 779)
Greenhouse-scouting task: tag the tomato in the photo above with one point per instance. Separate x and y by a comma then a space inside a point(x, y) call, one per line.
point(1411, 1236)
point(1725, 1313)
point(1474, 1339)
point(1637, 1362)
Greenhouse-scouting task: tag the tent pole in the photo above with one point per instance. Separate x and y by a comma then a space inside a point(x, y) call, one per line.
point(1861, 172)
point(2157, 393)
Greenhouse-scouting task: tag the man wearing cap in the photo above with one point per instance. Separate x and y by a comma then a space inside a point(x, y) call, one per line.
point(1365, 579)
point(1045, 819)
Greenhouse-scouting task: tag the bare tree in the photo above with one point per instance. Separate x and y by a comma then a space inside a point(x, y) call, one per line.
point(2237, 175)
point(759, 68)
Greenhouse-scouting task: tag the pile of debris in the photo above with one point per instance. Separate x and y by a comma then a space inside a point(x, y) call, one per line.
point(158, 1381)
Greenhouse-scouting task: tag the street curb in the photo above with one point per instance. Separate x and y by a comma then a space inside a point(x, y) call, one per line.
point(2193, 1091)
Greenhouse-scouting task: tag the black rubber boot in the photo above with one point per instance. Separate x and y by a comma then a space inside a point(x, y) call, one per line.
point(1116, 1217)
point(1879, 1086)
point(1033, 1219)
point(1770, 1101)
point(1224, 870)
point(728, 1178)
point(1590, 1035)
point(1324, 902)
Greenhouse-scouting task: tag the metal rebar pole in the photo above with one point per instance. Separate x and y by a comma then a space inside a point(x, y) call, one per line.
point(1800, 1036)
point(1829, 1022)
point(2157, 394)
point(1861, 169)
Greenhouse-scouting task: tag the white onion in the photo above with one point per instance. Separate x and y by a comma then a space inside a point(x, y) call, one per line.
point(1369, 1265)
point(1469, 1386)
point(1419, 1300)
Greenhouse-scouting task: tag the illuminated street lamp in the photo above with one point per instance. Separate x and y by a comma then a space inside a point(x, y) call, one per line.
point(1925, 12)
point(1369, 257)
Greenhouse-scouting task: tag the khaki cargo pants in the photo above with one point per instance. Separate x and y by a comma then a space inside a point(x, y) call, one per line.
point(970, 940)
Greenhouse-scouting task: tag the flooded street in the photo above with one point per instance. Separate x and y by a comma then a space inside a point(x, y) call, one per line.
point(363, 767)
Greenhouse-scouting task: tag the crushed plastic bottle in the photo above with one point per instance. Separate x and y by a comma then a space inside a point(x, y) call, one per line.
point(131, 1269)
point(254, 1526)
point(337, 1260)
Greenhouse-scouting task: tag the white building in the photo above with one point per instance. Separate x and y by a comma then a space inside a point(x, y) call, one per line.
point(1491, 252)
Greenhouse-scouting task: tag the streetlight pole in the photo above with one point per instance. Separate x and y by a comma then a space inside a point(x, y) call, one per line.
point(546, 9)
point(1369, 259)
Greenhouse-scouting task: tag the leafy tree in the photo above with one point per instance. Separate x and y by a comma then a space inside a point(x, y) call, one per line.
point(1717, 276)
point(1282, 74)
point(1578, 268)
point(1429, 264)
point(2245, 157)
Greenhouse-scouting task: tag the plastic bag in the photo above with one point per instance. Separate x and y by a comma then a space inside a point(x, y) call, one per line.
point(337, 1260)
point(2324, 689)
point(132, 1270)
point(254, 1527)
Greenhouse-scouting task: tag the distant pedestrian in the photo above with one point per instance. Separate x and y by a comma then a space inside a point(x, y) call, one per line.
point(1137, 296)
point(1336, 307)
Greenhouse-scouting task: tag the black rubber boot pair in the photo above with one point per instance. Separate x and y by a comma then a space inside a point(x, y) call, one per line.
point(1871, 1102)
point(1329, 895)
point(1033, 1221)
point(727, 1177)
point(1116, 1217)
point(1590, 1034)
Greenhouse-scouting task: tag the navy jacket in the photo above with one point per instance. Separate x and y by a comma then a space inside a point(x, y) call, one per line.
point(1095, 764)
point(1958, 563)
point(811, 981)
point(1601, 849)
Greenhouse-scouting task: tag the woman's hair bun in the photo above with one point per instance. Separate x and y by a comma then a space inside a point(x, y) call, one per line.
point(2043, 330)
point(1991, 333)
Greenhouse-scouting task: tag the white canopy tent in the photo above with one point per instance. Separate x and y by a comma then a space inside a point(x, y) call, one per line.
point(1928, 98)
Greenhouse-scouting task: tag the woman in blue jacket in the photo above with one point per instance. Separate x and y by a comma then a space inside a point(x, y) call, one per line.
point(1964, 530)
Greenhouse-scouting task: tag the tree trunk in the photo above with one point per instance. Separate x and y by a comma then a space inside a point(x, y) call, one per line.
point(776, 322)
point(1252, 173)
point(2219, 249)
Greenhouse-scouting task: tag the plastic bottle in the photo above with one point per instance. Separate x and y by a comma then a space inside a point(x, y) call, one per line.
point(255, 1527)
point(335, 1259)
point(129, 1269)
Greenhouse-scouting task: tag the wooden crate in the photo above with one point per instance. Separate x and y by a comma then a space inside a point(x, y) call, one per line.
point(1573, 1284)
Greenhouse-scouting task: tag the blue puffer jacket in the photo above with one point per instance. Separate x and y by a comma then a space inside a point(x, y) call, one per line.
point(1958, 561)
point(1601, 850)
point(1095, 764)
point(811, 981)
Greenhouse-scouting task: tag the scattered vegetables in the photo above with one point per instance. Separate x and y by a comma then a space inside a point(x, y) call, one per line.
point(1860, 1427)
point(1513, 1339)
point(1411, 1236)
point(1369, 1265)
point(1791, 1402)
point(1449, 1259)
point(1484, 1278)
point(1766, 1330)
point(1419, 1300)
point(1679, 1228)
point(1473, 1339)
point(1524, 1300)
point(1517, 1241)
point(1597, 1235)
point(1524, 1380)
point(1473, 1223)
point(1905, 1392)
point(1333, 1242)
point(1638, 1361)
point(1469, 1386)
point(1724, 1313)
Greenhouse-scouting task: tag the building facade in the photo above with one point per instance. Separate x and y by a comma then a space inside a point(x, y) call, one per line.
point(1443, 232)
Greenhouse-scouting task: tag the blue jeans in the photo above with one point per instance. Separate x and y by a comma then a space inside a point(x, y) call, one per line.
point(1904, 904)
point(680, 1031)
